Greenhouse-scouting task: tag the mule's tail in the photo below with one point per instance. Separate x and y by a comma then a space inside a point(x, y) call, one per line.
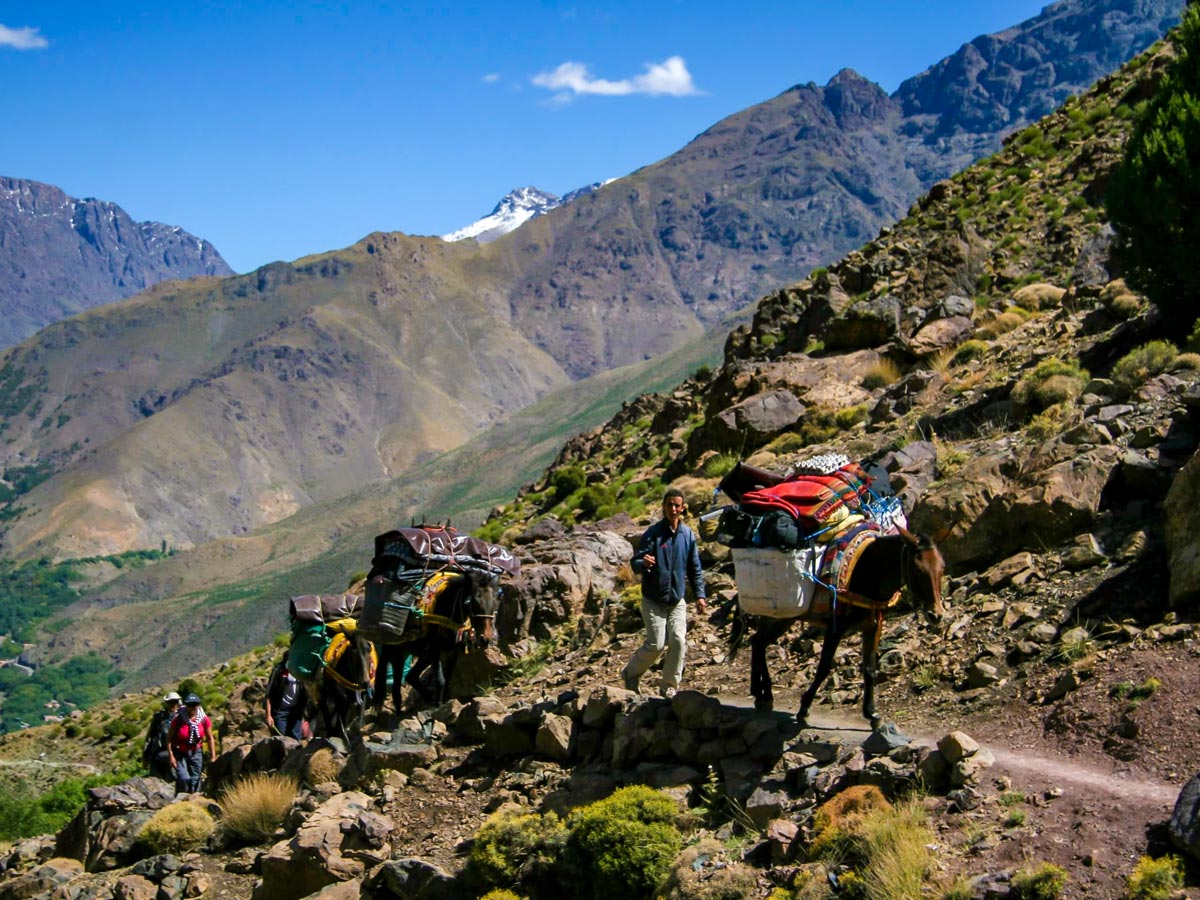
point(738, 626)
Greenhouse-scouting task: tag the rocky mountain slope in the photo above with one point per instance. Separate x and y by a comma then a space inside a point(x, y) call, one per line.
point(60, 255)
point(985, 351)
point(119, 419)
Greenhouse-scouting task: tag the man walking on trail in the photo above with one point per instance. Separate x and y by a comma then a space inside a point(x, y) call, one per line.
point(668, 560)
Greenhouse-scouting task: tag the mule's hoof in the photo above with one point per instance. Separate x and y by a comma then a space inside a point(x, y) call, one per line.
point(802, 719)
point(876, 722)
point(764, 704)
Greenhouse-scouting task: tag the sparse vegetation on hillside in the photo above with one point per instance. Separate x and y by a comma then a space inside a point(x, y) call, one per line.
point(25, 811)
point(1154, 198)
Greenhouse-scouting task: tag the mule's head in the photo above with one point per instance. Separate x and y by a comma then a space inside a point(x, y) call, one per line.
point(924, 568)
point(482, 606)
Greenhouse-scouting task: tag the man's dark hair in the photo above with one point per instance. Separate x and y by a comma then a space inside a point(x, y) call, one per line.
point(673, 492)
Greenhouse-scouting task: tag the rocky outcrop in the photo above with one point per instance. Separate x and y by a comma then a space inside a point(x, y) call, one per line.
point(1182, 520)
point(339, 841)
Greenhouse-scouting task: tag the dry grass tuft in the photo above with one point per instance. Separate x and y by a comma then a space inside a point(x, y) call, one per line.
point(256, 805)
point(1004, 323)
point(881, 374)
point(177, 828)
point(321, 767)
point(885, 846)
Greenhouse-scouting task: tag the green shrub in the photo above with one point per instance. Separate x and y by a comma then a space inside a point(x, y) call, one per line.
point(622, 846)
point(24, 812)
point(849, 416)
point(1051, 382)
point(720, 465)
point(568, 480)
point(968, 351)
point(515, 848)
point(1155, 879)
point(177, 828)
point(1043, 883)
point(1140, 365)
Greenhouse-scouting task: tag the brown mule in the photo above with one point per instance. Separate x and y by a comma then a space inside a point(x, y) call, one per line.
point(886, 565)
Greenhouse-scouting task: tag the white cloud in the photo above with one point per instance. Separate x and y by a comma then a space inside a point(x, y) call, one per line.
point(22, 38)
point(571, 78)
point(491, 77)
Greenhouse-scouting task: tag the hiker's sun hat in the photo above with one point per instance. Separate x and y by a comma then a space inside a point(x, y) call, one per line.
point(191, 700)
point(171, 696)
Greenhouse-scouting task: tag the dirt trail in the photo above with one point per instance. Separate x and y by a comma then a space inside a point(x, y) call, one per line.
point(1040, 770)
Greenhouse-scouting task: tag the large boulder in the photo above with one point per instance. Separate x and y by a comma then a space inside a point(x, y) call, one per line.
point(755, 420)
point(103, 835)
point(340, 841)
point(998, 504)
point(1185, 820)
point(868, 323)
point(571, 575)
point(1182, 509)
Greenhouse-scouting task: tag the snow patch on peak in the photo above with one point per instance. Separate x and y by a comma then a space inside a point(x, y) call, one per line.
point(516, 208)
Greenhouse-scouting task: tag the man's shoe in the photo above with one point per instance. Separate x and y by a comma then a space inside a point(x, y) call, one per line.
point(631, 683)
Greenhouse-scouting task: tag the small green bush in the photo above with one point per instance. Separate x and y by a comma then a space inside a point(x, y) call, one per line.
point(720, 465)
point(177, 828)
point(968, 351)
point(622, 846)
point(1155, 879)
point(1052, 381)
point(515, 848)
point(568, 480)
point(1138, 366)
point(1043, 883)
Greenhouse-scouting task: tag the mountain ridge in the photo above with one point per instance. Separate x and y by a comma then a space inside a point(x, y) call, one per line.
point(62, 255)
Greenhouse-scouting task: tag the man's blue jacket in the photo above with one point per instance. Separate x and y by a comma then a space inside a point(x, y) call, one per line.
point(678, 560)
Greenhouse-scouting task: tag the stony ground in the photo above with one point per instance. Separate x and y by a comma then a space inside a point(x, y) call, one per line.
point(1086, 780)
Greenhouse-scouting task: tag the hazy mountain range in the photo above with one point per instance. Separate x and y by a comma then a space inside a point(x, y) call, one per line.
point(215, 407)
point(60, 255)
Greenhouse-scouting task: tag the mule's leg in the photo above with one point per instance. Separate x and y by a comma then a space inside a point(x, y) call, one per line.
point(760, 678)
point(870, 657)
point(767, 632)
point(824, 667)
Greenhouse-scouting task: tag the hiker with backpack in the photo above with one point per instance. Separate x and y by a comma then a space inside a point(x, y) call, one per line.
point(668, 560)
point(155, 756)
point(286, 702)
point(190, 730)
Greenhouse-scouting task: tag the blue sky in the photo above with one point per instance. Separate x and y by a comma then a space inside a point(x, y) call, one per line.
point(276, 129)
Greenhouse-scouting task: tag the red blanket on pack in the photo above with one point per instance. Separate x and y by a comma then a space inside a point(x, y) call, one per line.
point(814, 500)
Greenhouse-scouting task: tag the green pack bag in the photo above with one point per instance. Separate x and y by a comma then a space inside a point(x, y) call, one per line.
point(309, 641)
